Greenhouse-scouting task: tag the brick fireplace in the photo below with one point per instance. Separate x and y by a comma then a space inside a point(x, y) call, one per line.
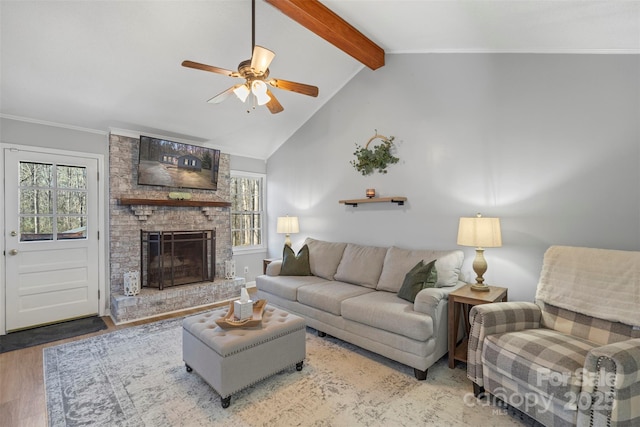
point(135, 208)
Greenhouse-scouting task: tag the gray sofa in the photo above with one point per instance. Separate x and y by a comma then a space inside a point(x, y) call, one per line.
point(352, 295)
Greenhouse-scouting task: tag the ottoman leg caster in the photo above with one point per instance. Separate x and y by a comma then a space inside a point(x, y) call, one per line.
point(299, 366)
point(225, 401)
point(189, 368)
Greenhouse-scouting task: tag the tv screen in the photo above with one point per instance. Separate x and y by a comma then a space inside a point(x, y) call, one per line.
point(175, 164)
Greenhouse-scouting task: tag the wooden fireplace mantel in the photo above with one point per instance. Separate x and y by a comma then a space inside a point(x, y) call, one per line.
point(143, 208)
point(177, 203)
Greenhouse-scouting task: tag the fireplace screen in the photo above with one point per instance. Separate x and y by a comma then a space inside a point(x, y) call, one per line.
point(171, 258)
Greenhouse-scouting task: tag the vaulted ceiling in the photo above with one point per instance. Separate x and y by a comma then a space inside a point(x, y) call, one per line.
point(116, 64)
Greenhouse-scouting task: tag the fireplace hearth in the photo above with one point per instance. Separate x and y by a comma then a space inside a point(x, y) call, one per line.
point(172, 258)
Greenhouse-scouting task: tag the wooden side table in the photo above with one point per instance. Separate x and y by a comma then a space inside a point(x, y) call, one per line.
point(463, 299)
point(266, 262)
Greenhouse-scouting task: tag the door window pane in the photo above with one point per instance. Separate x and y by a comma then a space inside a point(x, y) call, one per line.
point(71, 227)
point(35, 175)
point(71, 177)
point(33, 228)
point(52, 206)
point(72, 202)
point(35, 201)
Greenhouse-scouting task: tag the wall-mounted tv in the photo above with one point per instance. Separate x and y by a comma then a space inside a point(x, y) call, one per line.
point(175, 164)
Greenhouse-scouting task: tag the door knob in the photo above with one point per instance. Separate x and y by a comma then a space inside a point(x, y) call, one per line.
point(13, 252)
point(13, 233)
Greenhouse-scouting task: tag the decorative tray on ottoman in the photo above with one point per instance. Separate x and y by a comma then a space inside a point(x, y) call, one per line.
point(228, 321)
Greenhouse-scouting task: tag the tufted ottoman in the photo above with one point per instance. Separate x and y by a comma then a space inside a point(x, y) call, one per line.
point(233, 359)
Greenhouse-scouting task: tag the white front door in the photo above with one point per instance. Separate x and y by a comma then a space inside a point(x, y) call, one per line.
point(51, 238)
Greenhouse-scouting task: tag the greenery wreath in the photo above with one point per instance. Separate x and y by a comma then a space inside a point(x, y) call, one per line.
point(376, 159)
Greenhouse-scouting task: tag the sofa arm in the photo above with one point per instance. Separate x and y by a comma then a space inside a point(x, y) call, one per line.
point(273, 268)
point(427, 300)
point(496, 318)
point(611, 385)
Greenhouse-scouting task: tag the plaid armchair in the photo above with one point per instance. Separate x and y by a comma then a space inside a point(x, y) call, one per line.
point(565, 366)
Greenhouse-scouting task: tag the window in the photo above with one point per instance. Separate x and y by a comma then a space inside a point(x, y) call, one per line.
point(53, 202)
point(247, 201)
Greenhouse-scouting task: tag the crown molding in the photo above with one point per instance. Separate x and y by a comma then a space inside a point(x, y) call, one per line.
point(54, 124)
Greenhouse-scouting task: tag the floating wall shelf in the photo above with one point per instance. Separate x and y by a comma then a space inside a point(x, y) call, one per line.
point(354, 202)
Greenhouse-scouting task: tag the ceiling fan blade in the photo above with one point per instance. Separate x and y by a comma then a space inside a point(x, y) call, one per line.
point(261, 59)
point(294, 87)
point(273, 105)
point(222, 95)
point(211, 68)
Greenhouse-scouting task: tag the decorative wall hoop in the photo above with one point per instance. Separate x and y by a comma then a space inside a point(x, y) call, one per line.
point(374, 159)
point(374, 137)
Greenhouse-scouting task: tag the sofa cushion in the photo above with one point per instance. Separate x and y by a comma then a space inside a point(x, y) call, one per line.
point(361, 265)
point(398, 262)
point(328, 296)
point(418, 278)
point(285, 286)
point(550, 361)
point(384, 310)
point(295, 265)
point(324, 257)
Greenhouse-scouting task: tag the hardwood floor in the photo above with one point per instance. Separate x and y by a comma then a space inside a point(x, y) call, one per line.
point(22, 397)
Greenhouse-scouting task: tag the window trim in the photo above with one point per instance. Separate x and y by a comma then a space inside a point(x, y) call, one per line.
point(263, 214)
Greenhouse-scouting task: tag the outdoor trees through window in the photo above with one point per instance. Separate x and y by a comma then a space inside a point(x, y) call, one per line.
point(53, 201)
point(247, 191)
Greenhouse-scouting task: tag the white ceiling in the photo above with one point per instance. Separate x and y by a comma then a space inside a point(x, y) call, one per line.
point(116, 64)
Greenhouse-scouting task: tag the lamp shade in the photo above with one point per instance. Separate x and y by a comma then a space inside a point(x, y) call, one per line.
point(480, 232)
point(288, 225)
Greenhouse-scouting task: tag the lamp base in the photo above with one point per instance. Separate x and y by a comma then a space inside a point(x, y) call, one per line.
point(480, 267)
point(479, 288)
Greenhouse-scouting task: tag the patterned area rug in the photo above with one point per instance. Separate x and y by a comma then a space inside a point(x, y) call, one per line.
point(136, 377)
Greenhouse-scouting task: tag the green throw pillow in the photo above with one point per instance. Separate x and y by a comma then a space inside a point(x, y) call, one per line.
point(295, 265)
point(419, 277)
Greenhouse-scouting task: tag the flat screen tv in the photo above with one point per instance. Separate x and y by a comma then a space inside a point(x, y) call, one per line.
point(175, 164)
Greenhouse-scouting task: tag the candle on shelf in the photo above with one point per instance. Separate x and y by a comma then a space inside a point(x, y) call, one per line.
point(371, 192)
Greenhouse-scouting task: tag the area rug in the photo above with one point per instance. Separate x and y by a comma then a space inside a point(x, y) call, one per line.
point(50, 333)
point(136, 377)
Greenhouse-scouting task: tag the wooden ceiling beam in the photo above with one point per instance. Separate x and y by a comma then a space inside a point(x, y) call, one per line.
point(319, 19)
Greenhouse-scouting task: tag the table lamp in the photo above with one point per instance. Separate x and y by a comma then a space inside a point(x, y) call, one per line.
point(480, 232)
point(287, 225)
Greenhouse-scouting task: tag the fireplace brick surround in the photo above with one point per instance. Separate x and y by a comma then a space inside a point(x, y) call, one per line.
point(126, 221)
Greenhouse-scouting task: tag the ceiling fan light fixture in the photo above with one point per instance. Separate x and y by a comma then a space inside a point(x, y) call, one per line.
point(242, 91)
point(255, 71)
point(259, 89)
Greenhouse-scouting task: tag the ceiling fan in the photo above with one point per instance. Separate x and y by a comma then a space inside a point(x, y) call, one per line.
point(255, 71)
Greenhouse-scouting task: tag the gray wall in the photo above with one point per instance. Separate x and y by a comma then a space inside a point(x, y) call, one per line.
point(50, 136)
point(548, 143)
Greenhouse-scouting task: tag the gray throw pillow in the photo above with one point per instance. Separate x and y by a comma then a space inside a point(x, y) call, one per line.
point(295, 265)
point(419, 277)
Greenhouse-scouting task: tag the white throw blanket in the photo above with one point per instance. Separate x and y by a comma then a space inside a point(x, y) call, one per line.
point(601, 283)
